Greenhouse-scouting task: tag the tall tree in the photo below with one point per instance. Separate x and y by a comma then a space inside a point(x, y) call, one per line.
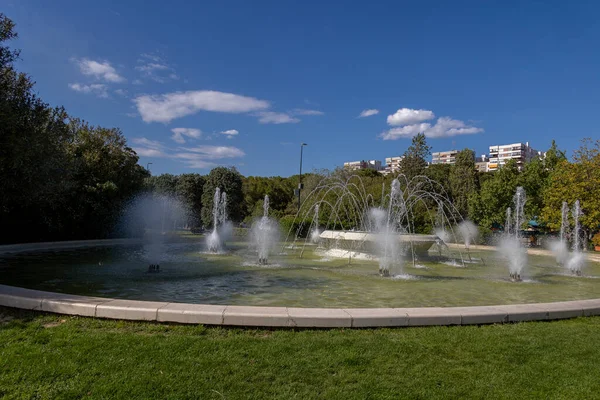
point(189, 190)
point(415, 157)
point(463, 180)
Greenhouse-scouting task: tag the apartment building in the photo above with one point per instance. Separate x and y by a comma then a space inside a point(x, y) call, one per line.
point(392, 165)
point(520, 152)
point(481, 163)
point(444, 157)
point(356, 165)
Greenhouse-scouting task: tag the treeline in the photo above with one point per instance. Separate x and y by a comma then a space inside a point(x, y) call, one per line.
point(60, 178)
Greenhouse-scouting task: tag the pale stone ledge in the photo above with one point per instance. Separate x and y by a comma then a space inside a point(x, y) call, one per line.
point(60, 303)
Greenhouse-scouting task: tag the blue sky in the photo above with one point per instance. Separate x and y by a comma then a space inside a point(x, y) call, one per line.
point(199, 84)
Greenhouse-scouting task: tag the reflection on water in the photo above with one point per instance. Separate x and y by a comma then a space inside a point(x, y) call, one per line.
point(186, 275)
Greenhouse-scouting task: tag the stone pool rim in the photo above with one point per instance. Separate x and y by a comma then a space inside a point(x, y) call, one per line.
point(272, 317)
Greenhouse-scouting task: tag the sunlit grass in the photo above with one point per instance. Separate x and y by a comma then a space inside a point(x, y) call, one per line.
point(51, 356)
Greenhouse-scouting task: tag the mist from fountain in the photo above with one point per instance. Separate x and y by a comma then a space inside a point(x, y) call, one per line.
point(221, 226)
point(510, 245)
point(264, 234)
point(560, 247)
point(572, 260)
point(153, 216)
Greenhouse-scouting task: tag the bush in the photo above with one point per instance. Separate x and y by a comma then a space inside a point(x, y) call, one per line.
point(294, 226)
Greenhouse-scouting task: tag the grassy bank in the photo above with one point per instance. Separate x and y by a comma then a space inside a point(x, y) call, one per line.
point(52, 356)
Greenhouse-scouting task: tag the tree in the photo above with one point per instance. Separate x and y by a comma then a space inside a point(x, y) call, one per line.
point(34, 167)
point(463, 180)
point(189, 189)
point(579, 180)
point(229, 181)
point(488, 207)
point(105, 174)
point(415, 157)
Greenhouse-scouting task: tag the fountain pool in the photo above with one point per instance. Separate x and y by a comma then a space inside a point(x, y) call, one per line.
point(236, 278)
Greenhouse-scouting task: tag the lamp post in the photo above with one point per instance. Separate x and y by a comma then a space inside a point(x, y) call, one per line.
point(300, 187)
point(148, 166)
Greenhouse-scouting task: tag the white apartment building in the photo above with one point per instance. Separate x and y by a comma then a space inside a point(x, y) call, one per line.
point(444, 157)
point(520, 152)
point(392, 165)
point(481, 163)
point(356, 165)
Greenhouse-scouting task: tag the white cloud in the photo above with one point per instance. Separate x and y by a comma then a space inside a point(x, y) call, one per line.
point(179, 133)
point(151, 67)
point(193, 157)
point(148, 148)
point(447, 126)
point(405, 131)
point(167, 107)
point(154, 67)
point(230, 133)
point(151, 57)
point(98, 89)
point(408, 116)
point(271, 117)
point(444, 127)
point(302, 111)
point(217, 152)
point(121, 92)
point(368, 113)
point(100, 70)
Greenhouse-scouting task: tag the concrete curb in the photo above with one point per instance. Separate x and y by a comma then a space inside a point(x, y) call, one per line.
point(282, 317)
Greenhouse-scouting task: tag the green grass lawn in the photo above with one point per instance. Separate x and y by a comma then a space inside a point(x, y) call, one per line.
point(52, 356)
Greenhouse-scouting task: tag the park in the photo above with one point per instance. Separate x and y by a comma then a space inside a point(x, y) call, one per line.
point(439, 281)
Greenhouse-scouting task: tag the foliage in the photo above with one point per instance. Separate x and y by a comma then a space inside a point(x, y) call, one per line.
point(280, 192)
point(596, 239)
point(189, 189)
point(229, 181)
point(488, 206)
point(60, 178)
point(579, 180)
point(415, 157)
point(463, 180)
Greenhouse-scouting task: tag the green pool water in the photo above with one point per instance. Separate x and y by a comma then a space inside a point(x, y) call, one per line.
point(191, 276)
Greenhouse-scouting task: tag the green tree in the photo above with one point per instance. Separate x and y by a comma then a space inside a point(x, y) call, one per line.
point(189, 189)
point(579, 180)
point(463, 180)
point(105, 174)
point(415, 157)
point(34, 169)
point(488, 207)
point(229, 181)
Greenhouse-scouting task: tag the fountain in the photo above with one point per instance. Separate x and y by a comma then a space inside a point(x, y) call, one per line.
point(359, 227)
point(264, 234)
point(385, 227)
point(510, 245)
point(576, 259)
point(573, 260)
point(315, 232)
point(220, 230)
point(468, 232)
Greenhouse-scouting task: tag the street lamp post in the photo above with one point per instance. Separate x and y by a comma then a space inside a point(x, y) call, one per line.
point(300, 187)
point(148, 166)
